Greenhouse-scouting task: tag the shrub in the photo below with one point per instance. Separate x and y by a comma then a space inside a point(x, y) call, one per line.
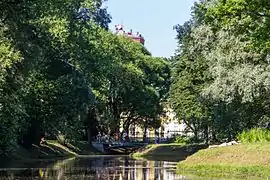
point(180, 139)
point(254, 136)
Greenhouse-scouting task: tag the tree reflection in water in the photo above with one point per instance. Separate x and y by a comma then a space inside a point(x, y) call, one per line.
point(98, 168)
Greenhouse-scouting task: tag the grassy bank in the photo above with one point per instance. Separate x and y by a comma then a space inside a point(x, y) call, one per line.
point(53, 149)
point(238, 161)
point(175, 152)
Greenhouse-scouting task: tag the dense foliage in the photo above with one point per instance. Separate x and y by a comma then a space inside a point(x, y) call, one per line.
point(257, 135)
point(221, 75)
point(63, 74)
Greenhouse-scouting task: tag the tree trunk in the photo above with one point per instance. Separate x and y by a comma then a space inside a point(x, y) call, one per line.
point(91, 124)
point(214, 137)
point(33, 135)
point(195, 135)
point(189, 126)
point(144, 134)
point(206, 135)
point(127, 134)
point(126, 130)
point(89, 135)
point(126, 127)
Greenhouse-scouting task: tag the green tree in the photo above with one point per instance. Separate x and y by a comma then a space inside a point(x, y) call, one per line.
point(222, 70)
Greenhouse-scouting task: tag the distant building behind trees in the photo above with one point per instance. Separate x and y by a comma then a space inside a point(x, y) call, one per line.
point(136, 37)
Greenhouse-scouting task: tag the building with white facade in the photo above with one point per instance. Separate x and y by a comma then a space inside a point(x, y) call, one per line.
point(172, 126)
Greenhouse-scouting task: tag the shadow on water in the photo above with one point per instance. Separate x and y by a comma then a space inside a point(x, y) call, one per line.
point(96, 168)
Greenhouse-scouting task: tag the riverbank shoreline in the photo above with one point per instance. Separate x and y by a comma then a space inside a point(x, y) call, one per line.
point(51, 150)
point(175, 152)
point(249, 160)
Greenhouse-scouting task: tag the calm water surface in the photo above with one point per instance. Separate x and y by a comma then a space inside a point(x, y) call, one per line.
point(98, 168)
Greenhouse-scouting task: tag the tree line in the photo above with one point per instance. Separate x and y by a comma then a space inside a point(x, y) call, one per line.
point(220, 78)
point(64, 74)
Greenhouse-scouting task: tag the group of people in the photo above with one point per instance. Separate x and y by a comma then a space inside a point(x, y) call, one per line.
point(104, 138)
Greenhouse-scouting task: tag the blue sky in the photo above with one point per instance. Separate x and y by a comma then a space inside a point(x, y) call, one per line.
point(154, 19)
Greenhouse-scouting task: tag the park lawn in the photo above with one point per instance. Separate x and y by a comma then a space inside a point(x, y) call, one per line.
point(242, 161)
point(172, 151)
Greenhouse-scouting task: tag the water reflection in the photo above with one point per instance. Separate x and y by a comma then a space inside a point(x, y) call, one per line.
point(99, 168)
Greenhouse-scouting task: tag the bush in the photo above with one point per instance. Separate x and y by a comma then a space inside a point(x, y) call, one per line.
point(254, 136)
point(180, 139)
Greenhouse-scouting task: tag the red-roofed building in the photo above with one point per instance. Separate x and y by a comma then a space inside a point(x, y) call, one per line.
point(136, 37)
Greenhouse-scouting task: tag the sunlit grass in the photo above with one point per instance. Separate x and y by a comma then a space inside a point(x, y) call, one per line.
point(240, 161)
point(226, 171)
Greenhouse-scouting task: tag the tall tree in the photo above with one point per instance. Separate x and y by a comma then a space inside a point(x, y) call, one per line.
point(222, 68)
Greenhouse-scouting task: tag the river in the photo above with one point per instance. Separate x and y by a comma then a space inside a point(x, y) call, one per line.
point(96, 168)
